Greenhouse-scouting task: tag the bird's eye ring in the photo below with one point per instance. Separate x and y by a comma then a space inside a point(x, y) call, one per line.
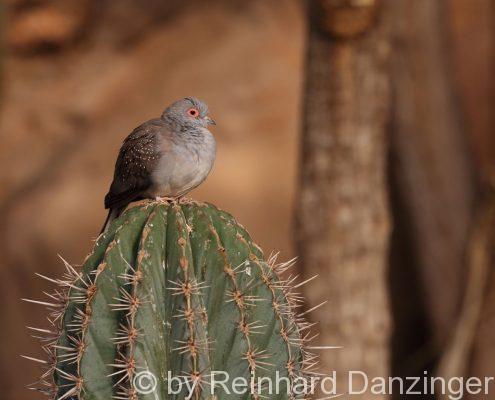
point(193, 112)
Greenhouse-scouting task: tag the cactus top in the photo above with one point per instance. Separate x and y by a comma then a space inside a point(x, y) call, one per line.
point(174, 290)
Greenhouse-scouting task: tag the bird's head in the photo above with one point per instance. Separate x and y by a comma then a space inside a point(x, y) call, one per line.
point(188, 112)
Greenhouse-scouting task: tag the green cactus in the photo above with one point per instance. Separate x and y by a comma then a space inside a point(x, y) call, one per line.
point(174, 290)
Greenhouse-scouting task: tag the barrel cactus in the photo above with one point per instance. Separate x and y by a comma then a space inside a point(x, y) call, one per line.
point(174, 290)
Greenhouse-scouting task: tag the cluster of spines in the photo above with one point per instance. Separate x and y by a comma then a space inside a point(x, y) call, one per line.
point(69, 316)
point(127, 335)
point(128, 303)
point(292, 324)
point(242, 299)
point(294, 329)
point(73, 287)
point(193, 314)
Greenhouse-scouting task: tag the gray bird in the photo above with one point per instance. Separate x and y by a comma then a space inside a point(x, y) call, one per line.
point(164, 157)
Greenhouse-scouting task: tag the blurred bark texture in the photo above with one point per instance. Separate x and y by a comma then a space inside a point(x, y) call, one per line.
point(441, 257)
point(342, 218)
point(432, 189)
point(477, 353)
point(462, 343)
point(430, 162)
point(472, 29)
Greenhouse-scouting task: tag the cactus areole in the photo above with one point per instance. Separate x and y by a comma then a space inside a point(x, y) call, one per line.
point(171, 296)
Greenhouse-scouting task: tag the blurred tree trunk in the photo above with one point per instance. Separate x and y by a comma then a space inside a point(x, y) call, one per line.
point(463, 345)
point(472, 28)
point(342, 222)
point(441, 254)
point(432, 185)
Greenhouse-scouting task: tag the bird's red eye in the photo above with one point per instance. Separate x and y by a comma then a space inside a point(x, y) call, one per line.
point(193, 112)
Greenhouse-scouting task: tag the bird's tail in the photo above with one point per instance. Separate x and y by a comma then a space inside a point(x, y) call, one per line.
point(113, 213)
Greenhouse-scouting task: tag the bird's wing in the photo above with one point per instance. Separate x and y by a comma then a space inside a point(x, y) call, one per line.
point(138, 158)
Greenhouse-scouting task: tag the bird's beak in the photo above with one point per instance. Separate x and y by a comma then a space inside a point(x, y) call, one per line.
point(210, 121)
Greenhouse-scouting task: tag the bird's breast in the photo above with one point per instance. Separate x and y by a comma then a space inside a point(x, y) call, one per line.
point(183, 165)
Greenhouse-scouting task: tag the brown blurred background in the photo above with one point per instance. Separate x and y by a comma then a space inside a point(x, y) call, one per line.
point(356, 134)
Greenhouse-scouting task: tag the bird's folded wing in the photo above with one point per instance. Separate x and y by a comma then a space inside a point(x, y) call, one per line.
point(138, 158)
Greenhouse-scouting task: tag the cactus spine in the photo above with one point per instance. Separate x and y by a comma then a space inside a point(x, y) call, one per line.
point(173, 290)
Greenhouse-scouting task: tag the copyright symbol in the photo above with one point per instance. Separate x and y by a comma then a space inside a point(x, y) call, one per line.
point(144, 382)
